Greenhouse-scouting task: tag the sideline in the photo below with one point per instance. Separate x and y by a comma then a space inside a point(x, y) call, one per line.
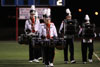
point(96, 56)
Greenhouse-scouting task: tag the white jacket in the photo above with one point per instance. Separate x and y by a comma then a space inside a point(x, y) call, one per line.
point(28, 25)
point(53, 31)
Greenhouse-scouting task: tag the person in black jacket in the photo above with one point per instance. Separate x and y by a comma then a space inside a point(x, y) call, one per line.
point(87, 33)
point(68, 28)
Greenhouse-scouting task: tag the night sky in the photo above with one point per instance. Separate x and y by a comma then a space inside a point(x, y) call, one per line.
point(58, 13)
point(8, 14)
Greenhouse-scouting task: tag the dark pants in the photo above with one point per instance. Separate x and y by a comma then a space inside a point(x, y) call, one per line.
point(49, 53)
point(69, 42)
point(34, 52)
point(84, 47)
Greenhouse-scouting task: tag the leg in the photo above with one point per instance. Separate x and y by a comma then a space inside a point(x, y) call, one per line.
point(71, 49)
point(31, 51)
point(90, 51)
point(84, 52)
point(66, 51)
point(52, 54)
point(46, 53)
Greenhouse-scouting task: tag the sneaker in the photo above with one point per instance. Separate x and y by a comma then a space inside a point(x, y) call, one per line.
point(90, 60)
point(36, 60)
point(51, 65)
point(66, 62)
point(30, 61)
point(84, 62)
point(73, 61)
point(40, 58)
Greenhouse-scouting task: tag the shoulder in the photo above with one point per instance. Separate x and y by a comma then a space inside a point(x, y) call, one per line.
point(52, 24)
point(42, 24)
point(27, 21)
point(37, 19)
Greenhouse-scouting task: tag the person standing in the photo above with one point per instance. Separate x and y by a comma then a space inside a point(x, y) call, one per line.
point(32, 27)
point(68, 34)
point(87, 31)
point(48, 31)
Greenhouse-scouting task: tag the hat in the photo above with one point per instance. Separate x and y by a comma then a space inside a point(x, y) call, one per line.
point(47, 13)
point(87, 18)
point(33, 7)
point(44, 11)
point(32, 10)
point(68, 12)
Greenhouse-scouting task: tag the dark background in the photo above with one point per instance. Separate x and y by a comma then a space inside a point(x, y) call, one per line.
point(8, 16)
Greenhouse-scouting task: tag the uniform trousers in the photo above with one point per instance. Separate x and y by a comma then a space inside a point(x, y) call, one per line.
point(49, 53)
point(84, 48)
point(69, 43)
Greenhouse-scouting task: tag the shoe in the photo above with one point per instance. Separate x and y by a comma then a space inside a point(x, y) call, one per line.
point(40, 58)
point(90, 60)
point(30, 61)
point(51, 65)
point(73, 61)
point(84, 62)
point(36, 60)
point(66, 62)
point(47, 66)
point(43, 62)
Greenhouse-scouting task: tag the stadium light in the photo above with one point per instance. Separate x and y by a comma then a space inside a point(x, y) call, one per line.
point(96, 13)
point(80, 10)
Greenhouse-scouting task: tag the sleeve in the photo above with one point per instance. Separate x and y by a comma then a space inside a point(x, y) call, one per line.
point(40, 30)
point(26, 27)
point(80, 31)
point(61, 26)
point(95, 35)
point(37, 25)
point(55, 31)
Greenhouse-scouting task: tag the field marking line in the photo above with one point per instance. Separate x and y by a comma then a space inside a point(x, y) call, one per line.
point(96, 56)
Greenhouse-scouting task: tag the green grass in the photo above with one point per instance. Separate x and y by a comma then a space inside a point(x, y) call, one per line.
point(13, 54)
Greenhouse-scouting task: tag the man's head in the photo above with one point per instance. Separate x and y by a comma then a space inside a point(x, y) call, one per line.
point(68, 14)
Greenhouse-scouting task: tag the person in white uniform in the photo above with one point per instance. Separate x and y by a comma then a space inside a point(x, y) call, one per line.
point(48, 31)
point(32, 27)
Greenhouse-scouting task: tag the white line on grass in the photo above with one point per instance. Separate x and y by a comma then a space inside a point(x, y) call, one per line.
point(96, 56)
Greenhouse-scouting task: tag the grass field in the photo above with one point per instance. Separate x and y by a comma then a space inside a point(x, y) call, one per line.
point(14, 55)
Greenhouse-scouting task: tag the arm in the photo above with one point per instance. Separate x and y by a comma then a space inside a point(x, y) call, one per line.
point(40, 30)
point(27, 27)
point(80, 31)
point(55, 31)
point(37, 25)
point(61, 26)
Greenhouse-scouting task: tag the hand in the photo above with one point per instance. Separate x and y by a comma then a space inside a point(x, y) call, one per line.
point(43, 37)
point(54, 37)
